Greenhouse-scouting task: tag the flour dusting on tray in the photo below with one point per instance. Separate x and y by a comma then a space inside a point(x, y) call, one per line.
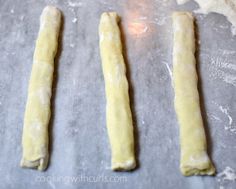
point(224, 7)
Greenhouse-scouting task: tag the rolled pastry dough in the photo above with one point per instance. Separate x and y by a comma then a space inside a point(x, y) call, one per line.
point(118, 113)
point(37, 112)
point(194, 158)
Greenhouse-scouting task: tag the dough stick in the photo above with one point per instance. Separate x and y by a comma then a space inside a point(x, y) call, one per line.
point(118, 113)
point(194, 158)
point(37, 112)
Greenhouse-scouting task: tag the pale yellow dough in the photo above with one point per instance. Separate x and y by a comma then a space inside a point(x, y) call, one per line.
point(194, 158)
point(118, 113)
point(37, 113)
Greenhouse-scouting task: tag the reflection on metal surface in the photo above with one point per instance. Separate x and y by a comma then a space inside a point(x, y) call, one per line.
point(137, 28)
point(137, 18)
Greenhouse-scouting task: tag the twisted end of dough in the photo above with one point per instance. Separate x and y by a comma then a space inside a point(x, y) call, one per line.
point(110, 15)
point(124, 166)
point(40, 164)
point(189, 170)
point(50, 17)
point(199, 164)
point(182, 13)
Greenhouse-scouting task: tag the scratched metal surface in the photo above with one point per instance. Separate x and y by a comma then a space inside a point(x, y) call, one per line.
point(80, 153)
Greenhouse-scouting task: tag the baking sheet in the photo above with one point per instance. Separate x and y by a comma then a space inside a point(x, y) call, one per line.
point(80, 153)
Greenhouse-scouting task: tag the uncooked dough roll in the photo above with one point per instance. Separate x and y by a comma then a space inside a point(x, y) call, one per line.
point(194, 158)
point(118, 113)
point(37, 113)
